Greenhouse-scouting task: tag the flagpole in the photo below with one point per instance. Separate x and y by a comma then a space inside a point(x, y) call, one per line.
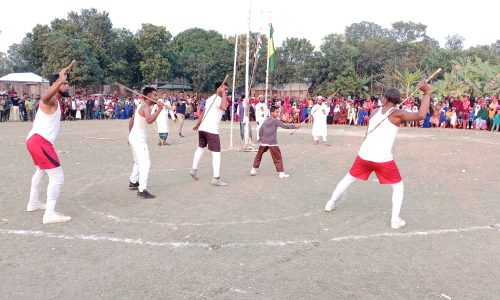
point(267, 69)
point(247, 87)
point(233, 94)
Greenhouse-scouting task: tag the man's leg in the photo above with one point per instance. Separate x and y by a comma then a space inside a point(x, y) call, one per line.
point(397, 201)
point(339, 190)
point(197, 157)
point(142, 155)
point(15, 112)
point(216, 159)
point(34, 202)
point(242, 132)
point(134, 176)
point(258, 157)
point(277, 159)
point(181, 122)
point(56, 180)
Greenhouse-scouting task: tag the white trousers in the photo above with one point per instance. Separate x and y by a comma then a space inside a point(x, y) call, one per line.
point(56, 180)
point(140, 171)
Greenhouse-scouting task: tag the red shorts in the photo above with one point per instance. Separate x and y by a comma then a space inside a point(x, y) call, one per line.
point(43, 153)
point(387, 172)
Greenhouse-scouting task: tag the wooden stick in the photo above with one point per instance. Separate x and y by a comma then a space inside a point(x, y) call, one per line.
point(427, 80)
point(304, 121)
point(135, 92)
point(73, 62)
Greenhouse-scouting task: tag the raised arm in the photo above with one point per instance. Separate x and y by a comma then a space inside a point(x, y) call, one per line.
point(150, 118)
point(280, 123)
point(405, 116)
point(54, 88)
point(221, 92)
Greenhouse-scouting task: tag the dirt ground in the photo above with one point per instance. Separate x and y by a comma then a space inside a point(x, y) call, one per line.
point(260, 237)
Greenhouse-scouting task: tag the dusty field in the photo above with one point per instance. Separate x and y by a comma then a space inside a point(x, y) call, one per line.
point(261, 237)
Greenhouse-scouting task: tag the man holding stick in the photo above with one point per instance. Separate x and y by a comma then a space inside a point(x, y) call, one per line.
point(137, 139)
point(208, 132)
point(40, 144)
point(375, 154)
point(319, 113)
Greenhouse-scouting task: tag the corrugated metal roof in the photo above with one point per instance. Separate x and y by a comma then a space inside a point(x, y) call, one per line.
point(23, 77)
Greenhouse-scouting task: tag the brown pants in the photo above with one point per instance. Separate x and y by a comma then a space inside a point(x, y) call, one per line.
point(275, 154)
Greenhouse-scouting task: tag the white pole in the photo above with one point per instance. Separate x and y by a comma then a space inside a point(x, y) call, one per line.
point(267, 69)
point(233, 95)
point(247, 86)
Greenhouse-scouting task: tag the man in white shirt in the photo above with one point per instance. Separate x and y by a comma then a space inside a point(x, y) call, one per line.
point(261, 113)
point(319, 112)
point(40, 144)
point(162, 125)
point(208, 132)
point(137, 140)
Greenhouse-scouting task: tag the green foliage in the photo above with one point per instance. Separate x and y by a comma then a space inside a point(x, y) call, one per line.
point(407, 80)
point(295, 58)
point(206, 55)
point(366, 59)
point(454, 42)
point(59, 50)
point(151, 41)
point(5, 65)
point(359, 32)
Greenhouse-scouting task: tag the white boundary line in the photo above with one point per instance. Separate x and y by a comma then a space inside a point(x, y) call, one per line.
point(269, 243)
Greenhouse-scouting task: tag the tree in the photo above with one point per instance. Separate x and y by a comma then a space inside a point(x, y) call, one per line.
point(125, 67)
point(5, 65)
point(350, 83)
point(151, 41)
point(59, 50)
point(440, 58)
point(359, 32)
point(407, 80)
point(336, 51)
point(408, 31)
point(454, 42)
point(294, 59)
point(485, 53)
point(28, 56)
point(16, 58)
point(206, 55)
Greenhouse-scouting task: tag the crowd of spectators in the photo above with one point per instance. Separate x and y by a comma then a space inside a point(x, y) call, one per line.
point(481, 113)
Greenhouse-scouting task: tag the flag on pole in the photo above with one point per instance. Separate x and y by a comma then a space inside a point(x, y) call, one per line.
point(270, 49)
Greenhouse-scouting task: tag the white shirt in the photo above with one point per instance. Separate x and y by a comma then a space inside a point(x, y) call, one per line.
point(47, 126)
point(138, 132)
point(319, 113)
point(162, 119)
point(212, 115)
point(261, 112)
point(377, 146)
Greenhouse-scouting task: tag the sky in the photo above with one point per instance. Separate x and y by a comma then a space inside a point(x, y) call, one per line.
point(476, 21)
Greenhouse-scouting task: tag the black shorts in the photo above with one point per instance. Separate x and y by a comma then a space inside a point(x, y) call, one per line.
point(210, 139)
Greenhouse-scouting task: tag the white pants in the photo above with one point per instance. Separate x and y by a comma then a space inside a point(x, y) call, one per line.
point(56, 180)
point(316, 138)
point(14, 113)
point(258, 127)
point(142, 163)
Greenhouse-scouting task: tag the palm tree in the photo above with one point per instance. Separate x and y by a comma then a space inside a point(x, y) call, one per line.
point(407, 80)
